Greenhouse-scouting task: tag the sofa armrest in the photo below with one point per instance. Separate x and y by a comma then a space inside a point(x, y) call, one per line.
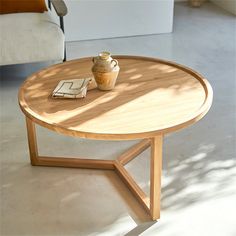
point(60, 7)
point(61, 10)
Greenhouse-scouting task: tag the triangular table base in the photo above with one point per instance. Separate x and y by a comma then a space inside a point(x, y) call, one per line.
point(151, 204)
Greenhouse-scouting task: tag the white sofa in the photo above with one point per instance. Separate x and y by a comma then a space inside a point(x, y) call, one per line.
point(32, 37)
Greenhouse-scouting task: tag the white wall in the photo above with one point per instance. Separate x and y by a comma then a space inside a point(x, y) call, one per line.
point(228, 5)
point(95, 19)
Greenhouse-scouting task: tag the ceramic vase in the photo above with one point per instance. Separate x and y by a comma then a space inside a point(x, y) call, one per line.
point(105, 71)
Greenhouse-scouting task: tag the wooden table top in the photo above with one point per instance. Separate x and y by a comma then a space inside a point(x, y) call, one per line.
point(151, 97)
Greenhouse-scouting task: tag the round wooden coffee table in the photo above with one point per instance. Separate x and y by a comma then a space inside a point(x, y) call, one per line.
point(152, 97)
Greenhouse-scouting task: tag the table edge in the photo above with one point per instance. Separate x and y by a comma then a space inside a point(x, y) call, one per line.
point(103, 136)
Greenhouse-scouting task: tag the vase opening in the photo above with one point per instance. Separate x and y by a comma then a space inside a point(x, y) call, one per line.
point(104, 55)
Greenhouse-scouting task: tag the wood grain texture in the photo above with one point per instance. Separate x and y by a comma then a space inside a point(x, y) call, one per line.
point(32, 141)
point(133, 152)
point(75, 163)
point(151, 96)
point(132, 185)
point(155, 177)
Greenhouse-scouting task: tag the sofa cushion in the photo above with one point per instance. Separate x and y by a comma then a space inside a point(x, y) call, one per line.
point(16, 6)
point(35, 37)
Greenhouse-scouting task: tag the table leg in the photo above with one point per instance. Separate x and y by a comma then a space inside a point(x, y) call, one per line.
point(37, 160)
point(32, 141)
point(155, 176)
point(152, 204)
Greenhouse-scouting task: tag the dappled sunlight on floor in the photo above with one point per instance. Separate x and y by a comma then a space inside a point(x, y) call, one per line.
point(198, 178)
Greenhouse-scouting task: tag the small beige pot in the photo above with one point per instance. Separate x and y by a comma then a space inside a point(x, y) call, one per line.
point(105, 71)
point(106, 81)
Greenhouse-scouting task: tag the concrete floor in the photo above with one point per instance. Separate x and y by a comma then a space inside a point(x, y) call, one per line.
point(199, 164)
